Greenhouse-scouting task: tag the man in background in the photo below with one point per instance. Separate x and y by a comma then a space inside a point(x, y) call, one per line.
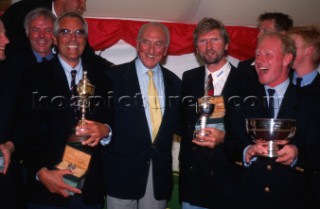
point(267, 22)
point(307, 80)
point(307, 41)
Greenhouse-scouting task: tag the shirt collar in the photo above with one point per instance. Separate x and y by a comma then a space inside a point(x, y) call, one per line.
point(306, 79)
point(280, 89)
point(67, 68)
point(39, 57)
point(219, 73)
point(141, 69)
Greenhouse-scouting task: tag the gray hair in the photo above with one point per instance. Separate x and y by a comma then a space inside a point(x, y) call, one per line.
point(56, 27)
point(162, 26)
point(35, 14)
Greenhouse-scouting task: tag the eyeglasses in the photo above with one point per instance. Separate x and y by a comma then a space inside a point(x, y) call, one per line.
point(66, 33)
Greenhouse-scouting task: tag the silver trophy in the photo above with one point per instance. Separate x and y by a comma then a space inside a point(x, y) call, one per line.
point(205, 108)
point(270, 131)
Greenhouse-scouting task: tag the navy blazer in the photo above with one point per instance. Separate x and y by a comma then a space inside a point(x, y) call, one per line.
point(265, 180)
point(207, 178)
point(131, 151)
point(47, 120)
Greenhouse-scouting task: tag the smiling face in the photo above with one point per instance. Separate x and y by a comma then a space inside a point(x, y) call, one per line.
point(152, 45)
point(271, 63)
point(3, 41)
point(41, 35)
point(211, 47)
point(70, 40)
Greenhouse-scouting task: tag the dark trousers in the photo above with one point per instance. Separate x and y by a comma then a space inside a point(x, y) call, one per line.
point(76, 202)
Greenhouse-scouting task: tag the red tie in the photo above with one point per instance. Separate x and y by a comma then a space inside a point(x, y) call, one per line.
point(210, 88)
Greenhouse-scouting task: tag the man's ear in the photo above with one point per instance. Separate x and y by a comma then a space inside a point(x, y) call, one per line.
point(287, 59)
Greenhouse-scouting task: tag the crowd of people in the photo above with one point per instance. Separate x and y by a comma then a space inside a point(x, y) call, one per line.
point(137, 108)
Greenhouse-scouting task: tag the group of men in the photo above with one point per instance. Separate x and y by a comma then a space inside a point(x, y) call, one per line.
point(137, 108)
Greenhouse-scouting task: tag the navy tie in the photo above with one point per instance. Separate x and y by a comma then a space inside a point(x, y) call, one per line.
point(271, 102)
point(298, 82)
point(73, 81)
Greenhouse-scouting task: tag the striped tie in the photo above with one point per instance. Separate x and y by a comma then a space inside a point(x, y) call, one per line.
point(210, 89)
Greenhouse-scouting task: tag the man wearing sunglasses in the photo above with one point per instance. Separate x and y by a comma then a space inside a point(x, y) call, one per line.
point(47, 122)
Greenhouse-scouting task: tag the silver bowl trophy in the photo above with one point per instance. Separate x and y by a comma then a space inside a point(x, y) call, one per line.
point(205, 108)
point(269, 130)
point(77, 157)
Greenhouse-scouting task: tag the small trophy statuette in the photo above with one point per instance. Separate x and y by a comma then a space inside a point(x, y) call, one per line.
point(85, 90)
point(205, 108)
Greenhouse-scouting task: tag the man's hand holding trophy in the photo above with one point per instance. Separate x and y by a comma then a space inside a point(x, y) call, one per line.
point(270, 136)
point(76, 157)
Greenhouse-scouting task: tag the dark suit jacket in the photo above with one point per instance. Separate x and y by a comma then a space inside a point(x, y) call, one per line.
point(207, 178)
point(247, 67)
point(129, 155)
point(313, 88)
point(267, 183)
point(314, 174)
point(46, 122)
point(15, 67)
point(11, 190)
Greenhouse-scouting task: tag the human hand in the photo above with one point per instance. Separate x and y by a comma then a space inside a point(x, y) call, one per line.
point(95, 130)
point(7, 149)
point(287, 154)
point(258, 149)
point(53, 181)
point(214, 137)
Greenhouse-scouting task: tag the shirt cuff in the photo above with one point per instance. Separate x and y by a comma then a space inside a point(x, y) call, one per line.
point(244, 158)
point(106, 140)
point(293, 164)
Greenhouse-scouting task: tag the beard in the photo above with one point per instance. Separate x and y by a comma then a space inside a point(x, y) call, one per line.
point(212, 57)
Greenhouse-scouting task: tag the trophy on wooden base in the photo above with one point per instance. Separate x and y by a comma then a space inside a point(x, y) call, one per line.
point(76, 157)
